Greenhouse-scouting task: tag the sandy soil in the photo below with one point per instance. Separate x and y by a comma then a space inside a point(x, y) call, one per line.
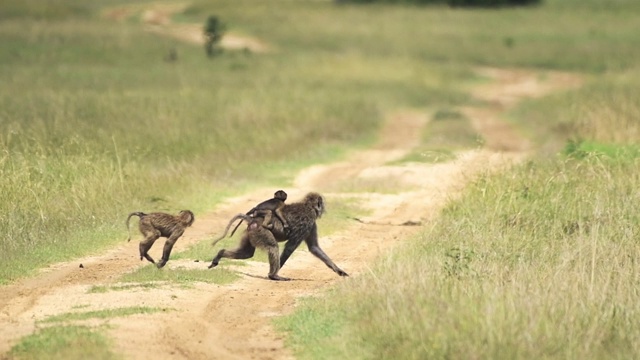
point(234, 321)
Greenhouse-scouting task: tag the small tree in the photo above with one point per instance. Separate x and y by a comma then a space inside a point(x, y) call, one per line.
point(213, 32)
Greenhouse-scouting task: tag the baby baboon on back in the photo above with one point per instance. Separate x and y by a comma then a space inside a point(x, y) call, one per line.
point(269, 207)
point(155, 225)
point(301, 217)
point(266, 209)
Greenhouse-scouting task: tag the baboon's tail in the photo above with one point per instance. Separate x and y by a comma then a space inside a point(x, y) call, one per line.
point(250, 213)
point(138, 214)
point(239, 216)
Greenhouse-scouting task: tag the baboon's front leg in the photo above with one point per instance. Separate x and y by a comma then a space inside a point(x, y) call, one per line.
point(314, 248)
point(289, 247)
point(166, 250)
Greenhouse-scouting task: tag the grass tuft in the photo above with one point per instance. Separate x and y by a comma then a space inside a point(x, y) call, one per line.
point(64, 342)
point(103, 314)
point(184, 277)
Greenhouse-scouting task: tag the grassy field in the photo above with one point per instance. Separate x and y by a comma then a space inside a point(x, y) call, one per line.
point(539, 262)
point(536, 263)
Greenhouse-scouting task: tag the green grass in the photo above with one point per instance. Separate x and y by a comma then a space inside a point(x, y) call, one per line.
point(64, 342)
point(582, 149)
point(82, 145)
point(447, 132)
point(534, 263)
point(538, 263)
point(80, 118)
point(103, 314)
point(122, 287)
point(185, 277)
point(603, 110)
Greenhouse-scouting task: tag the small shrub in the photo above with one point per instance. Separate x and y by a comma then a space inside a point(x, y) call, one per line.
point(213, 32)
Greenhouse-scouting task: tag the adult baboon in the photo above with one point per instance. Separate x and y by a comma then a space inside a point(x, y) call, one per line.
point(301, 217)
point(156, 225)
point(265, 209)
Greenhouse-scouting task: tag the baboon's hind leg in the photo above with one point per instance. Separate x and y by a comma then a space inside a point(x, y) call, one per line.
point(281, 217)
point(147, 243)
point(266, 223)
point(244, 251)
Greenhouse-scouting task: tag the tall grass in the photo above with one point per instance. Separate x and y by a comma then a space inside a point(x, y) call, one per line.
point(603, 110)
point(579, 36)
point(96, 124)
point(538, 263)
point(535, 263)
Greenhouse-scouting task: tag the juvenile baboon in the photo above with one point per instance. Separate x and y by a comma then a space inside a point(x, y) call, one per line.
point(258, 236)
point(266, 209)
point(156, 225)
point(301, 217)
point(269, 207)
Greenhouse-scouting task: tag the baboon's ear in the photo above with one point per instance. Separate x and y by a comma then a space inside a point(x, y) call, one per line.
point(320, 205)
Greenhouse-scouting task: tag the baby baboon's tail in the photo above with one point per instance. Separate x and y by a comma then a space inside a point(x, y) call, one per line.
point(138, 214)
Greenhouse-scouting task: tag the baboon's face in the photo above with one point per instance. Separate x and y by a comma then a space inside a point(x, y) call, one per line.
point(280, 195)
point(316, 202)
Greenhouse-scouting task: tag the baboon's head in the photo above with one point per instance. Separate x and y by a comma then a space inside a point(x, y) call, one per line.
point(187, 217)
point(316, 202)
point(280, 195)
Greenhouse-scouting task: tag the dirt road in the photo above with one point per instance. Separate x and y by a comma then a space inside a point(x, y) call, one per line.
point(233, 321)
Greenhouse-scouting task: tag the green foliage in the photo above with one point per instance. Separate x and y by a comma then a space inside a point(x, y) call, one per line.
point(582, 149)
point(213, 32)
point(64, 342)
